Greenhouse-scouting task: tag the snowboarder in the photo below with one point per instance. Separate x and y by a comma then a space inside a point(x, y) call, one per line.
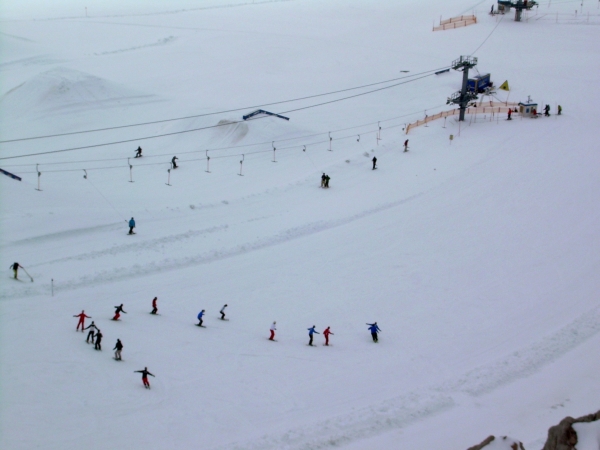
point(326, 333)
point(154, 307)
point(559, 110)
point(145, 374)
point(175, 158)
point(138, 152)
point(374, 162)
point(118, 310)
point(327, 178)
point(93, 328)
point(273, 329)
point(117, 349)
point(509, 114)
point(547, 110)
point(311, 331)
point(131, 226)
point(323, 180)
point(406, 145)
point(223, 311)
point(81, 322)
point(98, 340)
point(200, 314)
point(373, 328)
point(15, 268)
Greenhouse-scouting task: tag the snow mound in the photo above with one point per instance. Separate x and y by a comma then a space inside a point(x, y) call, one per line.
point(66, 90)
point(499, 443)
point(230, 132)
point(588, 435)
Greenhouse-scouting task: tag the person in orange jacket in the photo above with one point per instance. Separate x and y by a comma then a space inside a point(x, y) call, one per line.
point(326, 333)
point(81, 322)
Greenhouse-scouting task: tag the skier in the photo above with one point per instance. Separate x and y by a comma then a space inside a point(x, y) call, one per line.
point(117, 349)
point(92, 327)
point(273, 329)
point(98, 340)
point(327, 178)
point(81, 322)
point(374, 162)
point(311, 331)
point(223, 311)
point(406, 145)
point(154, 307)
point(326, 333)
point(118, 310)
point(174, 163)
point(323, 180)
point(547, 110)
point(131, 226)
point(200, 314)
point(15, 268)
point(145, 374)
point(138, 152)
point(559, 110)
point(509, 114)
point(373, 328)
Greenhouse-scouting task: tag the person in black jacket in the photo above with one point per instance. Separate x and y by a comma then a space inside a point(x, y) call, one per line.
point(98, 340)
point(118, 310)
point(175, 158)
point(374, 162)
point(118, 348)
point(145, 374)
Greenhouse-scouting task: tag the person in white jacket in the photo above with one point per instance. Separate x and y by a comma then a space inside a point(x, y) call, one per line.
point(273, 328)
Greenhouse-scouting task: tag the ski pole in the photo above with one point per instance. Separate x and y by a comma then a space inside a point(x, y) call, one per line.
point(27, 273)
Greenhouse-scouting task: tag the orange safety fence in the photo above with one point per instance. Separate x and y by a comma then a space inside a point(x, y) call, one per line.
point(488, 108)
point(455, 22)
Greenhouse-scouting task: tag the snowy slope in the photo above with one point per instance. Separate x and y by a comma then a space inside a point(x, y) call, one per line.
point(477, 257)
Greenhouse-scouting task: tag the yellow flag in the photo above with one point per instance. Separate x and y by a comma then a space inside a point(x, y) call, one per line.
point(504, 86)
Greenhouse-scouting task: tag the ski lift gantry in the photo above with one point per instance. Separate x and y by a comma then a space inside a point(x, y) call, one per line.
point(520, 5)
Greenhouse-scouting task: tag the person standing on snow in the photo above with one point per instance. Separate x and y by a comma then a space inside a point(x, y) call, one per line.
point(154, 307)
point(327, 178)
point(273, 329)
point(559, 110)
point(373, 328)
point(326, 333)
point(117, 349)
point(145, 374)
point(547, 111)
point(175, 158)
point(509, 114)
point(406, 145)
point(15, 268)
point(374, 162)
point(93, 328)
point(118, 310)
point(200, 314)
point(131, 226)
point(81, 322)
point(311, 331)
point(223, 311)
point(99, 336)
point(138, 152)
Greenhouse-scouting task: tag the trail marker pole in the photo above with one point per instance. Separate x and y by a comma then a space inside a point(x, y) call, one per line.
point(168, 183)
point(207, 162)
point(378, 133)
point(84, 174)
point(130, 171)
point(274, 149)
point(52, 286)
point(330, 139)
point(358, 140)
point(444, 122)
point(451, 138)
point(241, 166)
point(39, 175)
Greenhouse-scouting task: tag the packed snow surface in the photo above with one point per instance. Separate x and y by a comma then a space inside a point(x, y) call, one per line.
point(588, 435)
point(477, 251)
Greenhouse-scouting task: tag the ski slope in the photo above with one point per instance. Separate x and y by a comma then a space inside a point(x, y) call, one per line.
point(478, 257)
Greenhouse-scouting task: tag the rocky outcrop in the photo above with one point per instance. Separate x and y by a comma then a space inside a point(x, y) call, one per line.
point(510, 443)
point(563, 436)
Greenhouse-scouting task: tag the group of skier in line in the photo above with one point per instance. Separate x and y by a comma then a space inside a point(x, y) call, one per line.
point(95, 336)
point(138, 154)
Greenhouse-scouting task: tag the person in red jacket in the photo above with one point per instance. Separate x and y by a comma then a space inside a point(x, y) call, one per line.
point(81, 322)
point(154, 307)
point(326, 333)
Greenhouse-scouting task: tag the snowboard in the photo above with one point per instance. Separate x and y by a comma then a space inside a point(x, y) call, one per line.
point(201, 326)
point(223, 319)
point(274, 340)
point(131, 233)
point(117, 359)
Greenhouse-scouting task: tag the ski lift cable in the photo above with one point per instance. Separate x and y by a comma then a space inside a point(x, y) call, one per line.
point(216, 112)
point(83, 147)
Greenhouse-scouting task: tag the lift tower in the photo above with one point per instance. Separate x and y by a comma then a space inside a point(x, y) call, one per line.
point(463, 97)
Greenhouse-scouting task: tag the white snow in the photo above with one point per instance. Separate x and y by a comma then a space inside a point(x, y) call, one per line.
point(478, 257)
point(588, 435)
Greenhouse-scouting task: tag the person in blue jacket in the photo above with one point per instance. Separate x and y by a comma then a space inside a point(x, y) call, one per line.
point(200, 314)
point(311, 331)
point(131, 226)
point(374, 329)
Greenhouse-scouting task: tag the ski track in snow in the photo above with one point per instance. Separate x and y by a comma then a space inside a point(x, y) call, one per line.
point(403, 410)
point(159, 43)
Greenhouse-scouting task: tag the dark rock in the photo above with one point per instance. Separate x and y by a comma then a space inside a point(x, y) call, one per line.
point(563, 436)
